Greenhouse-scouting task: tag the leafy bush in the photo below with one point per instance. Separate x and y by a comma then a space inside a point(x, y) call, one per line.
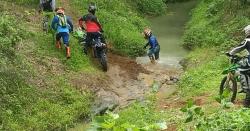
point(173, 1)
point(150, 7)
point(223, 120)
point(135, 117)
point(234, 119)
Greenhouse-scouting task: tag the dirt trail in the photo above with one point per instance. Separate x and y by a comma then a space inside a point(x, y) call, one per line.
point(129, 81)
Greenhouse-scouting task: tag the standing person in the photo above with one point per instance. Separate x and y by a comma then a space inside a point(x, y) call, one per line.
point(90, 23)
point(154, 50)
point(47, 5)
point(244, 75)
point(63, 26)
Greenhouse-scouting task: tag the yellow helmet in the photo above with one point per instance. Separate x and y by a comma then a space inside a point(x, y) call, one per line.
point(147, 32)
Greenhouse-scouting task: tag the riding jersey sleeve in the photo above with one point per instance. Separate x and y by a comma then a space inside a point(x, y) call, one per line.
point(239, 48)
point(69, 21)
point(145, 46)
point(54, 22)
point(153, 41)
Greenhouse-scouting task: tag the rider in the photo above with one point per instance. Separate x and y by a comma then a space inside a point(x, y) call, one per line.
point(90, 23)
point(244, 75)
point(63, 25)
point(47, 5)
point(154, 50)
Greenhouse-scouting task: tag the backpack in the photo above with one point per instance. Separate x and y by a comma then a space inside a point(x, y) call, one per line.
point(62, 20)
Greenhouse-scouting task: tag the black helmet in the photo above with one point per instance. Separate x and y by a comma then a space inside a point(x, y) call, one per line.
point(92, 8)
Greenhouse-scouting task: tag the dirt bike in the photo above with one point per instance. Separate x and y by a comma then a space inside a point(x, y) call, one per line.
point(45, 23)
point(228, 86)
point(99, 49)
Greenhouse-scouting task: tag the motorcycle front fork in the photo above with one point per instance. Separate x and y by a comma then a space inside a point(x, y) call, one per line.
point(97, 52)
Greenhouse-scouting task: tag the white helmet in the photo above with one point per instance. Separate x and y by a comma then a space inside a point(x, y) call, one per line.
point(247, 30)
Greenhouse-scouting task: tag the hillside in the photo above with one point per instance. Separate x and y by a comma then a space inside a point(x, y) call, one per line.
point(215, 28)
point(40, 88)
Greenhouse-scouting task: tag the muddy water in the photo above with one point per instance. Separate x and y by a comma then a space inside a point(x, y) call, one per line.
point(169, 29)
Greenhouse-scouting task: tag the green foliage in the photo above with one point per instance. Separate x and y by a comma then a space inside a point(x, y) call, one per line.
point(10, 34)
point(139, 116)
point(78, 61)
point(203, 34)
point(211, 25)
point(223, 120)
point(193, 112)
point(216, 26)
point(173, 1)
point(122, 27)
point(34, 3)
point(204, 71)
point(23, 106)
point(150, 7)
point(236, 119)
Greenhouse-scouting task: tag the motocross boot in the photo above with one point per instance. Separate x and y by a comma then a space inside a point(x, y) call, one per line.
point(68, 52)
point(58, 44)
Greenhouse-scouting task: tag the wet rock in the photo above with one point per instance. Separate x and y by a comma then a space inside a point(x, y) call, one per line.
point(174, 79)
point(184, 63)
point(146, 79)
point(164, 79)
point(105, 100)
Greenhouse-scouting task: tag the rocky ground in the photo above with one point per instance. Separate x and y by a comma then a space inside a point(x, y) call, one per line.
point(129, 81)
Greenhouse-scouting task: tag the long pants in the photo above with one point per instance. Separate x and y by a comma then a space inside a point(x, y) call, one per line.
point(154, 52)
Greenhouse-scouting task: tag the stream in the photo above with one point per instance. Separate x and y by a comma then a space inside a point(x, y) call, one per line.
point(169, 29)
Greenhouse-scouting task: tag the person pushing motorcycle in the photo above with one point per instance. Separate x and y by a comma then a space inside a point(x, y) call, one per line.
point(90, 23)
point(244, 75)
point(63, 25)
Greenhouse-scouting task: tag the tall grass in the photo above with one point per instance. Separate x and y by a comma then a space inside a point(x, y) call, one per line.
point(24, 106)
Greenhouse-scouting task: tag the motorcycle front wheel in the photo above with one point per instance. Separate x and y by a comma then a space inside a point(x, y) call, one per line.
point(103, 61)
point(228, 88)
